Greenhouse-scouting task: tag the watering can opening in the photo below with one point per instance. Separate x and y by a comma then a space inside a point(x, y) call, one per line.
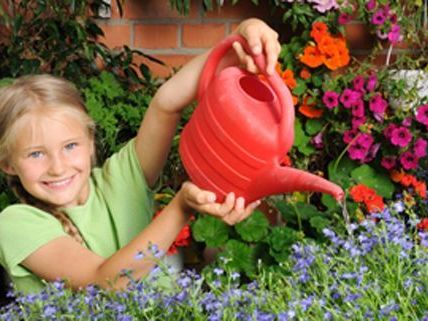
point(256, 89)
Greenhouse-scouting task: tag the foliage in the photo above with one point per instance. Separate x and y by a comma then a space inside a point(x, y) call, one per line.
point(378, 272)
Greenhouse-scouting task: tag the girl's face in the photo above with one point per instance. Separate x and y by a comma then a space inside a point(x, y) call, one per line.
point(51, 156)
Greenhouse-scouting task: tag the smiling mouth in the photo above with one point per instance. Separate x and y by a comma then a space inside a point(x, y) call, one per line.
point(59, 183)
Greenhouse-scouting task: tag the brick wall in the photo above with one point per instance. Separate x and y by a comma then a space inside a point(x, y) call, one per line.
point(154, 28)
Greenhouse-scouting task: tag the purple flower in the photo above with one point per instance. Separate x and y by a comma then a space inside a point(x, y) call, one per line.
point(358, 121)
point(408, 160)
point(388, 162)
point(420, 148)
point(401, 136)
point(381, 34)
point(358, 108)
point(372, 152)
point(407, 122)
point(388, 130)
point(422, 114)
point(349, 135)
point(371, 4)
point(358, 83)
point(317, 141)
point(324, 5)
point(377, 104)
point(344, 18)
point(330, 99)
point(349, 97)
point(359, 149)
point(394, 35)
point(371, 83)
point(379, 17)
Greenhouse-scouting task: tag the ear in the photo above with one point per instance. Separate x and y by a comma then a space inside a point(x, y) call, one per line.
point(8, 169)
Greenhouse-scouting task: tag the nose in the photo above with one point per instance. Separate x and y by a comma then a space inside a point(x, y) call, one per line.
point(56, 165)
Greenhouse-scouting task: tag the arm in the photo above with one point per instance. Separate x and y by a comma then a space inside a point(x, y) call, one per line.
point(159, 124)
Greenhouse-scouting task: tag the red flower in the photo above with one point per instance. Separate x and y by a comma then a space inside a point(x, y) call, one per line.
point(423, 224)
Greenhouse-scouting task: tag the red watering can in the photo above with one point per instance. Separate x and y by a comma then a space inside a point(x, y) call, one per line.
point(240, 133)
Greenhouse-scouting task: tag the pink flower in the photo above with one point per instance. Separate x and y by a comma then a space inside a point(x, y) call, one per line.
point(324, 5)
point(358, 121)
point(388, 130)
point(358, 83)
point(401, 136)
point(394, 35)
point(359, 149)
point(349, 97)
point(371, 154)
point(377, 104)
point(408, 160)
point(371, 4)
point(344, 18)
point(358, 108)
point(420, 148)
point(371, 83)
point(317, 141)
point(379, 17)
point(349, 135)
point(330, 99)
point(388, 162)
point(407, 122)
point(422, 114)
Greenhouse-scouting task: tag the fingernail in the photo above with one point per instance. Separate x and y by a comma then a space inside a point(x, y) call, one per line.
point(257, 49)
point(211, 198)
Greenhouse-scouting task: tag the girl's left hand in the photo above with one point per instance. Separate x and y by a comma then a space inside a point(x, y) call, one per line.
point(231, 211)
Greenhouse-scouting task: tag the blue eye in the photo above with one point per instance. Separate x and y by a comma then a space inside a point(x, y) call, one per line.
point(70, 146)
point(35, 154)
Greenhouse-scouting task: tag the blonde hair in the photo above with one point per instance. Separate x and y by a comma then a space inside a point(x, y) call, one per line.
point(27, 94)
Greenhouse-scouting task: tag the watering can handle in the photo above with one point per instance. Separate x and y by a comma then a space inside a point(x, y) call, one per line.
point(286, 127)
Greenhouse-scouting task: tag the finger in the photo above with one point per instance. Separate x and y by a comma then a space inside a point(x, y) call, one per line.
point(272, 50)
point(197, 196)
point(249, 210)
point(228, 204)
point(244, 57)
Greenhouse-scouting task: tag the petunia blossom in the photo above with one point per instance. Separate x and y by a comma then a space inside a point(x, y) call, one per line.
point(394, 34)
point(377, 104)
point(371, 4)
point(349, 97)
point(349, 135)
point(371, 82)
point(420, 148)
point(388, 162)
point(422, 114)
point(401, 136)
point(324, 5)
point(379, 17)
point(408, 160)
point(358, 83)
point(330, 99)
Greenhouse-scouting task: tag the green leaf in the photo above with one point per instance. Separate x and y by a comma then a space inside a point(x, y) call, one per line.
point(319, 223)
point(306, 211)
point(340, 172)
point(287, 211)
point(300, 88)
point(330, 202)
point(242, 257)
point(210, 230)
point(375, 179)
point(313, 126)
point(301, 141)
point(280, 240)
point(254, 228)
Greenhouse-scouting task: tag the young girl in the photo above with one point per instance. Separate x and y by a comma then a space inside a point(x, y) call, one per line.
point(84, 224)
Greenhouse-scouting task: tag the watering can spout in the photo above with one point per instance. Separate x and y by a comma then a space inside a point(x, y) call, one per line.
point(284, 179)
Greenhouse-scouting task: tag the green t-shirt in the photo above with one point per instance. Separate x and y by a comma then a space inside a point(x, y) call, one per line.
point(119, 206)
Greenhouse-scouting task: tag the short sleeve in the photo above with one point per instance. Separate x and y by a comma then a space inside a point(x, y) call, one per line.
point(24, 229)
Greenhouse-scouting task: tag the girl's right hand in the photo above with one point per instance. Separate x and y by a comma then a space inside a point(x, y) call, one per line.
point(231, 211)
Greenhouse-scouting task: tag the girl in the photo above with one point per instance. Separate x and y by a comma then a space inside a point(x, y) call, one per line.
point(84, 224)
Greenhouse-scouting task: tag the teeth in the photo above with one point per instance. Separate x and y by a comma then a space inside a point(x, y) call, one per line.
point(59, 183)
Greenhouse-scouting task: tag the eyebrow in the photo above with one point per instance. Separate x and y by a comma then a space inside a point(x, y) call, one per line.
point(37, 147)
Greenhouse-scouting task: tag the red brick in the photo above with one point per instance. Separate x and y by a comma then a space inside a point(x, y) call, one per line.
point(172, 62)
point(241, 10)
point(155, 36)
point(202, 35)
point(152, 9)
point(116, 35)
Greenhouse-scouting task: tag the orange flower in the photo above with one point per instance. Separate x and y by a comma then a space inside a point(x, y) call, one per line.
point(295, 100)
point(396, 176)
point(375, 204)
point(423, 224)
point(421, 189)
point(309, 110)
point(319, 30)
point(288, 77)
point(312, 57)
point(408, 180)
point(305, 74)
point(361, 193)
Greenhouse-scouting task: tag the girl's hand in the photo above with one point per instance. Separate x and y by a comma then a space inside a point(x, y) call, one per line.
point(261, 39)
point(231, 211)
